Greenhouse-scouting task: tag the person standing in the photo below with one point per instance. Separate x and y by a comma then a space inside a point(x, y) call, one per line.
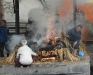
point(58, 25)
point(31, 29)
point(3, 36)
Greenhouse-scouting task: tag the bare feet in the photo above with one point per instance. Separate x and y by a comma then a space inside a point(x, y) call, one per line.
point(21, 66)
point(28, 66)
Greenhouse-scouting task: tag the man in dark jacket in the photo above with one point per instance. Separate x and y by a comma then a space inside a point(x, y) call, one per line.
point(74, 37)
point(3, 36)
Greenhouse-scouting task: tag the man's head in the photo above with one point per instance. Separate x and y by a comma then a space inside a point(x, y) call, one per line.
point(24, 42)
point(3, 22)
point(78, 28)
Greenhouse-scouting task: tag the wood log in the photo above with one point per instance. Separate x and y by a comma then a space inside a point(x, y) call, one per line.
point(60, 54)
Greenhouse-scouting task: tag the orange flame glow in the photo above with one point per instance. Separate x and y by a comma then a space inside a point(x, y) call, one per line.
point(50, 33)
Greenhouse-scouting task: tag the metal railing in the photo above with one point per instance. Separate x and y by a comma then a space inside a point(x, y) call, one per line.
point(12, 27)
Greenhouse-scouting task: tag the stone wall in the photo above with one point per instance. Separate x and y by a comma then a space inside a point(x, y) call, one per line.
point(1, 10)
point(8, 9)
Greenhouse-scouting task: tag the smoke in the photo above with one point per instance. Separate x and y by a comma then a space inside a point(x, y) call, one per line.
point(80, 19)
point(33, 10)
point(66, 11)
point(25, 6)
point(40, 23)
point(41, 18)
point(14, 41)
point(53, 4)
point(38, 16)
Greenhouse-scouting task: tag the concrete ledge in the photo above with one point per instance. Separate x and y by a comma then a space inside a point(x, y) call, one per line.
point(72, 68)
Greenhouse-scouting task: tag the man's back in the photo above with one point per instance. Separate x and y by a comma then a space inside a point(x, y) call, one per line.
point(25, 53)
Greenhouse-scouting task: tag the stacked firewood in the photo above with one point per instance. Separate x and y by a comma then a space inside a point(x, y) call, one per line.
point(61, 54)
point(67, 50)
point(10, 59)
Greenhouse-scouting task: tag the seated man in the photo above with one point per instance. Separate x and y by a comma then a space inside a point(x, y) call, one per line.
point(74, 37)
point(23, 57)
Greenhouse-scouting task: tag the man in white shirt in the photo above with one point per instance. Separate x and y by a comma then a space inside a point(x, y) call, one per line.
point(24, 55)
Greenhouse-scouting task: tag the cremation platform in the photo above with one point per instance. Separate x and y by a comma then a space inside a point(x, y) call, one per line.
point(81, 67)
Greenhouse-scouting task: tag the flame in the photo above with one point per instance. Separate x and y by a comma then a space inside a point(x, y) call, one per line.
point(50, 58)
point(50, 33)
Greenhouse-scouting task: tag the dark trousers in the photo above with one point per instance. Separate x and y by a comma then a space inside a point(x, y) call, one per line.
point(77, 45)
point(2, 44)
point(18, 64)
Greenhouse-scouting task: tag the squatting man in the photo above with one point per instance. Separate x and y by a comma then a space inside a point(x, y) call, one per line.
point(24, 56)
point(74, 38)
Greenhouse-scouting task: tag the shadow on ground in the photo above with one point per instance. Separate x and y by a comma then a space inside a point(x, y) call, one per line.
point(91, 70)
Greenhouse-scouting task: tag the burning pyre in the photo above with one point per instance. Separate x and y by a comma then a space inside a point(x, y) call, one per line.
point(55, 46)
point(58, 51)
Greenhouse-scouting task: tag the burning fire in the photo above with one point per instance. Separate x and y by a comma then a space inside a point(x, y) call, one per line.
point(50, 58)
point(50, 36)
point(50, 33)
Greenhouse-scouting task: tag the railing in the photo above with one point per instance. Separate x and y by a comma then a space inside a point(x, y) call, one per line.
point(12, 27)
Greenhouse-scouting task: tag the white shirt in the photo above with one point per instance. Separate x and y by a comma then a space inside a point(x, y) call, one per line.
point(25, 53)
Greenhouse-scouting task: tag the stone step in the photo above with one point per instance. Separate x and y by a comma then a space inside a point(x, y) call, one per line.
point(66, 68)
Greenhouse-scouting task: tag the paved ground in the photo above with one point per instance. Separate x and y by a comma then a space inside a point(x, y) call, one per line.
point(68, 68)
point(89, 48)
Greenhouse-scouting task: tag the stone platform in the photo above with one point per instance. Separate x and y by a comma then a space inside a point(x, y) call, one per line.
point(81, 67)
